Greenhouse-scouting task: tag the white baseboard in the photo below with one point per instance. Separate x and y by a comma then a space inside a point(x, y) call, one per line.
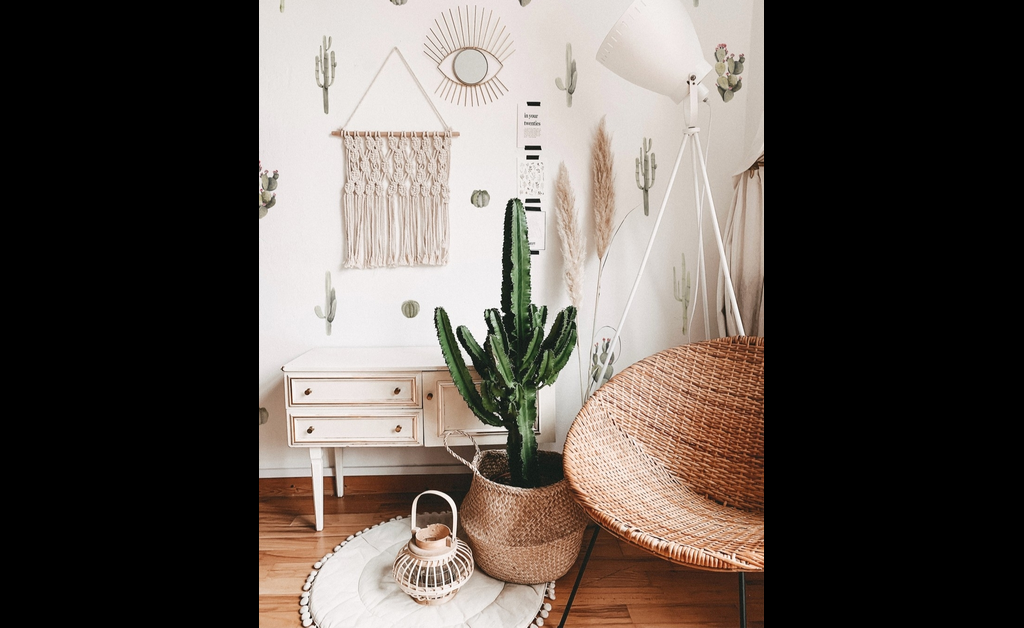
point(305, 472)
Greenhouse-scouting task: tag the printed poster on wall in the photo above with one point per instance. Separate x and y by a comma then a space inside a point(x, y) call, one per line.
point(531, 177)
point(535, 226)
point(529, 124)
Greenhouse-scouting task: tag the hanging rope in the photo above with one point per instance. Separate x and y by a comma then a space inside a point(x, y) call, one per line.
point(395, 203)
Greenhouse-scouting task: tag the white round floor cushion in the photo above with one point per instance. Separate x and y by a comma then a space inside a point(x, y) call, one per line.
point(353, 588)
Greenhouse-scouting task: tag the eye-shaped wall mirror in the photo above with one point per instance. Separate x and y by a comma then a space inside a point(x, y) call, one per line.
point(470, 46)
point(470, 66)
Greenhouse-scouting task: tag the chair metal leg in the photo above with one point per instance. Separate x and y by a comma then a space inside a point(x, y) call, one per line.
point(579, 577)
point(743, 600)
point(583, 567)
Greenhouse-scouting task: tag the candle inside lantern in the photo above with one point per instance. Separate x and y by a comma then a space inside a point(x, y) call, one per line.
point(434, 536)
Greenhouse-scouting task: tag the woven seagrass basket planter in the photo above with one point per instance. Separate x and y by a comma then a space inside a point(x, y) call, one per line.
point(521, 535)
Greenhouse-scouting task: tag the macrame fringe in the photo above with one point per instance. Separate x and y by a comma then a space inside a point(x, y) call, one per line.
point(395, 204)
point(306, 613)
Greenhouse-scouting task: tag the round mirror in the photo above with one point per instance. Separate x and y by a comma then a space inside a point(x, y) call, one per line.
point(470, 66)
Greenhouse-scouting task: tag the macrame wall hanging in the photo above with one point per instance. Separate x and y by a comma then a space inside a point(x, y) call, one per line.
point(395, 202)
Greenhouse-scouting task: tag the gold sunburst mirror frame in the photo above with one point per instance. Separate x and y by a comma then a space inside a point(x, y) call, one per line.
point(470, 46)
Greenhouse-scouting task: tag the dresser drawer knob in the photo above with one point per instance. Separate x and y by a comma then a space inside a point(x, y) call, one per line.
point(430, 396)
point(309, 430)
point(398, 390)
point(309, 391)
point(398, 428)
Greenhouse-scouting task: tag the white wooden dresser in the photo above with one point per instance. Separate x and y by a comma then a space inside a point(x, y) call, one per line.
point(381, 397)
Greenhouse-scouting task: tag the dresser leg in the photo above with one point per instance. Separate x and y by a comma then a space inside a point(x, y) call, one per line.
point(316, 462)
point(339, 471)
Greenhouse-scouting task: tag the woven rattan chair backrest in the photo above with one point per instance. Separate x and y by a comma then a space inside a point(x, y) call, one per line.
point(698, 409)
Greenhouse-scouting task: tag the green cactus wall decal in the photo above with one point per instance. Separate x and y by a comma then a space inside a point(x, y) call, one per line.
point(410, 309)
point(330, 304)
point(516, 360)
point(570, 76)
point(682, 291)
point(268, 183)
point(597, 358)
point(480, 198)
point(321, 64)
point(729, 69)
point(264, 415)
point(647, 165)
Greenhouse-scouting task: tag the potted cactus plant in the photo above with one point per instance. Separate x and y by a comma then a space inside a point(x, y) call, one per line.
point(516, 360)
point(520, 484)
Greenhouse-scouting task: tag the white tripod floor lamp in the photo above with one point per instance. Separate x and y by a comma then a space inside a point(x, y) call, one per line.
point(654, 45)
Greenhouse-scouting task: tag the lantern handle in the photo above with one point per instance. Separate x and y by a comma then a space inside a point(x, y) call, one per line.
point(455, 512)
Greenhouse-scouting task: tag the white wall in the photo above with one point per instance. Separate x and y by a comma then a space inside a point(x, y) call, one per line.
point(301, 238)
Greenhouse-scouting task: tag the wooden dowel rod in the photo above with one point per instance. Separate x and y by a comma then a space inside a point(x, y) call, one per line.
point(393, 133)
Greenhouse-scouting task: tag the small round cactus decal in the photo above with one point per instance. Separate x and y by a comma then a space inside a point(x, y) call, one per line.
point(480, 198)
point(410, 309)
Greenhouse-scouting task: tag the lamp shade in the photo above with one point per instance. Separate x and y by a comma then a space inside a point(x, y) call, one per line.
point(654, 45)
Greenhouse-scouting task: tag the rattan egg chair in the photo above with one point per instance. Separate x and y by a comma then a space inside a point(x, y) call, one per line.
point(668, 455)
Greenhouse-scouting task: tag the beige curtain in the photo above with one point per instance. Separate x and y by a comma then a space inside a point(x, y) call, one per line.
point(744, 249)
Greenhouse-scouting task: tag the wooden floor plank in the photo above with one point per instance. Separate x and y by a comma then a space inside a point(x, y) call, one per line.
point(622, 586)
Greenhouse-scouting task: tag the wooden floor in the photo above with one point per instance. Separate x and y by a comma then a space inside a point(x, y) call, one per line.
point(622, 587)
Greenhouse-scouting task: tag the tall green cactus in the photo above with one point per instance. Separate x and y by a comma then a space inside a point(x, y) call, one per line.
point(516, 359)
point(321, 63)
point(647, 165)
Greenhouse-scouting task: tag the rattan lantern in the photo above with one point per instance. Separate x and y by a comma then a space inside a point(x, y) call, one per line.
point(435, 564)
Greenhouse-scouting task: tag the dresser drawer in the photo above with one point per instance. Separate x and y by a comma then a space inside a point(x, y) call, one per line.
point(401, 390)
point(444, 409)
point(370, 430)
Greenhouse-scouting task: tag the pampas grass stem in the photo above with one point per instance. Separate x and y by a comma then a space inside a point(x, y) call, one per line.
point(603, 189)
point(603, 201)
point(570, 231)
point(573, 246)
